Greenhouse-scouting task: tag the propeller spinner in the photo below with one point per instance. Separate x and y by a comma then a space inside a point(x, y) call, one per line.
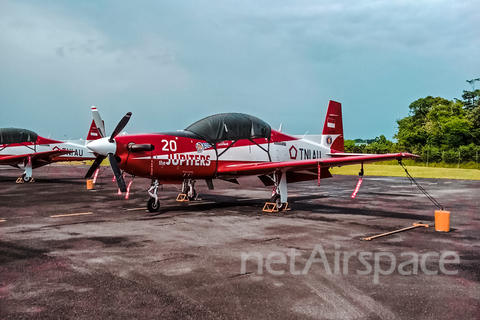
point(106, 147)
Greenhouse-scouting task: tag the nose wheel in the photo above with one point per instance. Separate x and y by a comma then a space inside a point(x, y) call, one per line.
point(153, 205)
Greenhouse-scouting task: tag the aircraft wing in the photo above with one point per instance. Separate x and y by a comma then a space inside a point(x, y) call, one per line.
point(38, 158)
point(256, 168)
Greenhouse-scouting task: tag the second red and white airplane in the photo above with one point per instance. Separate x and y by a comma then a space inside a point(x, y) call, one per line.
point(25, 147)
point(227, 146)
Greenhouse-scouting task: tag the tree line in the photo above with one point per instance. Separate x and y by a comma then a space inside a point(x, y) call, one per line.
point(437, 129)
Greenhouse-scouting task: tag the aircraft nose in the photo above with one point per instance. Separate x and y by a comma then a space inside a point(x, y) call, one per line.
point(102, 146)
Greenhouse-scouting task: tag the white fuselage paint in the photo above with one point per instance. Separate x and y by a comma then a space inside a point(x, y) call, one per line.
point(79, 151)
point(301, 149)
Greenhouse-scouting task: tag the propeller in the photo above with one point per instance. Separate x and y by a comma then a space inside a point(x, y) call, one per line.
point(95, 165)
point(106, 147)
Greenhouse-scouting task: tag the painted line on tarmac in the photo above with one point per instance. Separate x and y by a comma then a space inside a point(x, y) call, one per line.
point(134, 209)
point(71, 214)
point(247, 199)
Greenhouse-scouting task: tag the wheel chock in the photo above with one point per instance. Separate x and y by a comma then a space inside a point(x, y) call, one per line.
point(20, 180)
point(182, 197)
point(270, 207)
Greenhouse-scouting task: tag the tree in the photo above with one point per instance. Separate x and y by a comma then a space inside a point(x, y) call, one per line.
point(349, 145)
point(439, 123)
point(471, 99)
point(420, 108)
point(473, 116)
point(379, 145)
point(410, 134)
point(447, 126)
point(412, 130)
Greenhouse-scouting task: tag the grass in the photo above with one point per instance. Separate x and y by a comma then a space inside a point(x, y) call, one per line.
point(415, 171)
point(87, 162)
point(409, 162)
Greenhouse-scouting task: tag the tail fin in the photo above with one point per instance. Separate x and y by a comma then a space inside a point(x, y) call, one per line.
point(93, 133)
point(333, 128)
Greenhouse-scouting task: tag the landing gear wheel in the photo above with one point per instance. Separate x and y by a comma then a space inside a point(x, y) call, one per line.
point(191, 196)
point(276, 199)
point(152, 205)
point(188, 188)
point(25, 178)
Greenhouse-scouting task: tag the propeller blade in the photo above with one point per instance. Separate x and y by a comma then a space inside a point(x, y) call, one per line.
point(120, 126)
point(95, 165)
point(98, 122)
point(118, 175)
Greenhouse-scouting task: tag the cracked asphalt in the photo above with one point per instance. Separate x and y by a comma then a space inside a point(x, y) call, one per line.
point(221, 257)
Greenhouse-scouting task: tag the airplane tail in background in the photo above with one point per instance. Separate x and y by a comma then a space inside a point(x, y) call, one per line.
point(333, 128)
point(93, 133)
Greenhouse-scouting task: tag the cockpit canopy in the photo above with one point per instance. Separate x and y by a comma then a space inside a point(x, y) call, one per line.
point(15, 135)
point(230, 126)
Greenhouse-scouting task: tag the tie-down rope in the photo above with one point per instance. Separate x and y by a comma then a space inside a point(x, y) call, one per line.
point(435, 202)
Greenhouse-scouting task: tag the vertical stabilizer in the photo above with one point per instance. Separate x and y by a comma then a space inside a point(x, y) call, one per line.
point(333, 128)
point(93, 133)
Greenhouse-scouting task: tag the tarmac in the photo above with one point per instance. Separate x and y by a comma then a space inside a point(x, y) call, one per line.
point(71, 253)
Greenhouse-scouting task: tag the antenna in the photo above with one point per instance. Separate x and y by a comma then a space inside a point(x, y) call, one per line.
point(472, 83)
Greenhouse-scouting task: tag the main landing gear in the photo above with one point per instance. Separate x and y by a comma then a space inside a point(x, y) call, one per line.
point(188, 190)
point(27, 175)
point(279, 194)
point(153, 204)
point(188, 194)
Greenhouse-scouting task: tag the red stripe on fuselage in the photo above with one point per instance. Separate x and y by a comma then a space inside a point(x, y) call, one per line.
point(179, 155)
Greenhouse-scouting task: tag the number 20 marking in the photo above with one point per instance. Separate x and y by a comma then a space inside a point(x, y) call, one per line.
point(169, 145)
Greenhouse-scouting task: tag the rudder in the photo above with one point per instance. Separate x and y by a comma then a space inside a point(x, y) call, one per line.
point(333, 127)
point(93, 133)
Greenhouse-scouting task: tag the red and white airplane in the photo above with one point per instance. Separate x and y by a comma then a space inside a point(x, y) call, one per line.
point(25, 147)
point(227, 146)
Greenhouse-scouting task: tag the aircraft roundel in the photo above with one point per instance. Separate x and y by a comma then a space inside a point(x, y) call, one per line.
point(329, 140)
point(199, 147)
point(293, 152)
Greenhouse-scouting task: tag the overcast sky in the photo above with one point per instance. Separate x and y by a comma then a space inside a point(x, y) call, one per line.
point(173, 62)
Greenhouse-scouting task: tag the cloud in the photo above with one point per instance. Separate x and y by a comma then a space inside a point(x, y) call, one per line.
point(56, 46)
point(172, 62)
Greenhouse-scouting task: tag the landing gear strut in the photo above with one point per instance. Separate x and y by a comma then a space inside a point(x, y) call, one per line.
point(279, 194)
point(188, 188)
point(153, 204)
point(27, 175)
